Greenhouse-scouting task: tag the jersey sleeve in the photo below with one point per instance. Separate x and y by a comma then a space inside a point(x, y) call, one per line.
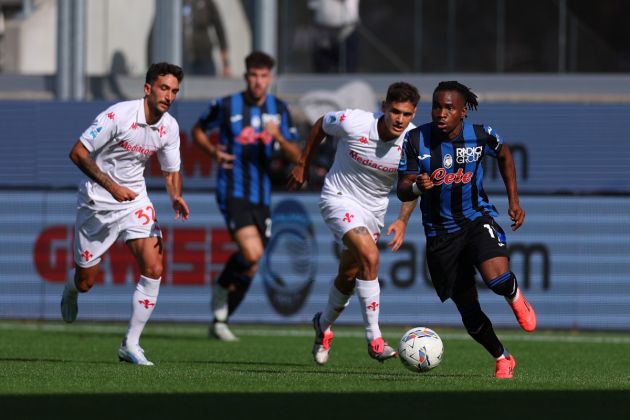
point(103, 129)
point(494, 141)
point(169, 155)
point(408, 162)
point(334, 123)
point(211, 118)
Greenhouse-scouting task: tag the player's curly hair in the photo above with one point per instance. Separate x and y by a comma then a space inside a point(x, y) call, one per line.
point(469, 97)
point(259, 60)
point(402, 92)
point(160, 69)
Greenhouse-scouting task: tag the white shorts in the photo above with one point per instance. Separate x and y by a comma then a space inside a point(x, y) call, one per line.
point(96, 231)
point(342, 214)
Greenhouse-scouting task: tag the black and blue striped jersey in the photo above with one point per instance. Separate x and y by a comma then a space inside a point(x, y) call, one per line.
point(455, 167)
point(242, 133)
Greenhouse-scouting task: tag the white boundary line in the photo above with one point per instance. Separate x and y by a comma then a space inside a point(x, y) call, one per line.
point(301, 331)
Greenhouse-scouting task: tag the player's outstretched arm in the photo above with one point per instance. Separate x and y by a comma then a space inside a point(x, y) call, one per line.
point(399, 226)
point(173, 181)
point(81, 157)
point(508, 173)
point(299, 174)
point(214, 151)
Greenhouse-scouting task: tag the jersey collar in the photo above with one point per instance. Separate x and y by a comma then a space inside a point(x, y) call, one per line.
point(374, 128)
point(141, 119)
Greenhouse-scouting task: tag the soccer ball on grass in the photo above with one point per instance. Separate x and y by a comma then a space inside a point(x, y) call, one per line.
point(420, 349)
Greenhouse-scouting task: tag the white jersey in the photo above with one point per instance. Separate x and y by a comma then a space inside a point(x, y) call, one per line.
point(365, 167)
point(121, 142)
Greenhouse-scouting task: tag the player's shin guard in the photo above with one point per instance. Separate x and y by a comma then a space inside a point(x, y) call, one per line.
point(480, 328)
point(142, 305)
point(369, 294)
point(236, 296)
point(337, 302)
point(504, 285)
point(230, 288)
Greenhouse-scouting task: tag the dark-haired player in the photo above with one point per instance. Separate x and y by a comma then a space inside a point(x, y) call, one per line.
point(113, 201)
point(442, 163)
point(353, 203)
point(251, 124)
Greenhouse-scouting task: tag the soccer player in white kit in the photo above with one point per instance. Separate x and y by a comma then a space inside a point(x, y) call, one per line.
point(113, 202)
point(353, 204)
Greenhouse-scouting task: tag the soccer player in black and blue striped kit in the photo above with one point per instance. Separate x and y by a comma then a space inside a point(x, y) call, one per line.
point(251, 124)
point(442, 163)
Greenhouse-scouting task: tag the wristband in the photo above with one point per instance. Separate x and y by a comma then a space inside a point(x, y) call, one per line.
point(416, 190)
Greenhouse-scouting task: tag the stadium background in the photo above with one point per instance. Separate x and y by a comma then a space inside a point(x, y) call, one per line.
point(559, 95)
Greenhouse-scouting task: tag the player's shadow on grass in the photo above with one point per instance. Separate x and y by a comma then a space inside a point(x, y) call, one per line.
point(487, 405)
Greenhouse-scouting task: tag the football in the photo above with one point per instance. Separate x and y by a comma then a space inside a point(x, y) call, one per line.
point(420, 349)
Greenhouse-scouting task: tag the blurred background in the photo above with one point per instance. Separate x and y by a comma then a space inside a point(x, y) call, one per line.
point(553, 77)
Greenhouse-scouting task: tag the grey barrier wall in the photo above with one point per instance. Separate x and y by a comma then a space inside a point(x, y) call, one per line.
point(558, 148)
point(572, 256)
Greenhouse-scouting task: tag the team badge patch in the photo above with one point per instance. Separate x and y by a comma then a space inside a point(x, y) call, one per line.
point(447, 161)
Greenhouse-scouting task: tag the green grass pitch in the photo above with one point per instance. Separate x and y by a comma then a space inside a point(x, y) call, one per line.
point(52, 370)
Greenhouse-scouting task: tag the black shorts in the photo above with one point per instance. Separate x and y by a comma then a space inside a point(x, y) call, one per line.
point(240, 213)
point(452, 258)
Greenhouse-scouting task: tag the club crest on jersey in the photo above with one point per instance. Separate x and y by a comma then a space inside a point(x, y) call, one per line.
point(447, 162)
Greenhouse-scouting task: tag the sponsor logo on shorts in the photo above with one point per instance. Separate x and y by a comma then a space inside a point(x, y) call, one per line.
point(86, 255)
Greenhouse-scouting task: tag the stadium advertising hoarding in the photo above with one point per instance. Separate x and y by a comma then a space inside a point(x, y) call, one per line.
point(571, 257)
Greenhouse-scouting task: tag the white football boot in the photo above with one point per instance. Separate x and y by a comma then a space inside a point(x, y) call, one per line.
point(221, 331)
point(133, 354)
point(323, 341)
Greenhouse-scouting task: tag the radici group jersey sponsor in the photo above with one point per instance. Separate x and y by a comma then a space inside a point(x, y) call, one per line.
point(121, 142)
point(456, 169)
point(365, 167)
point(243, 134)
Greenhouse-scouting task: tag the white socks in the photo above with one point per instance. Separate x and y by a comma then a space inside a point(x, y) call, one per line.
point(142, 305)
point(369, 294)
point(220, 303)
point(337, 302)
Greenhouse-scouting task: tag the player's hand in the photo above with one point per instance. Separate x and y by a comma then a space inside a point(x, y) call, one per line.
point(223, 158)
point(181, 208)
point(297, 177)
point(273, 130)
point(517, 214)
point(423, 181)
point(398, 227)
point(121, 193)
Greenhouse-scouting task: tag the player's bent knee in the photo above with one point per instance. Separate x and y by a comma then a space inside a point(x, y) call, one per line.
point(153, 271)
